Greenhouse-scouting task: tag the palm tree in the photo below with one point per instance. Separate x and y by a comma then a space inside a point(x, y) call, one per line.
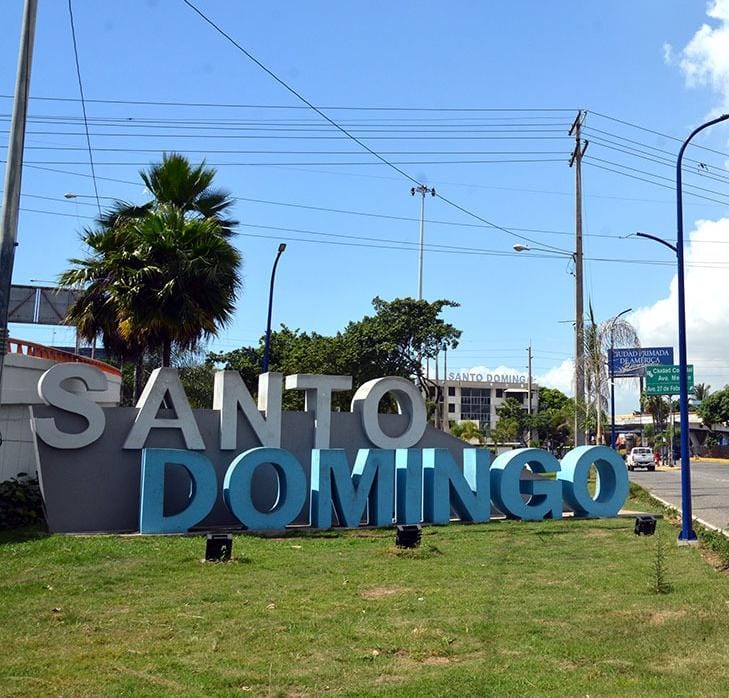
point(175, 181)
point(599, 339)
point(179, 282)
point(160, 275)
point(701, 391)
point(658, 407)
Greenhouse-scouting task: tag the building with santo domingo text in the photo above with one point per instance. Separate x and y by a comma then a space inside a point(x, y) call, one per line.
point(474, 397)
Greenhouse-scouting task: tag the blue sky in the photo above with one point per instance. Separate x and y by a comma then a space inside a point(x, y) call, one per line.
point(429, 60)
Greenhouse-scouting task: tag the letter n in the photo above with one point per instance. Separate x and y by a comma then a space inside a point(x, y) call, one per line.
point(445, 486)
point(370, 483)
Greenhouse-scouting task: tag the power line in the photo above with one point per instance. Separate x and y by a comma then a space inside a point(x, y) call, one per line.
point(657, 176)
point(657, 133)
point(285, 106)
point(83, 104)
point(337, 126)
point(229, 151)
point(316, 164)
point(388, 244)
point(659, 160)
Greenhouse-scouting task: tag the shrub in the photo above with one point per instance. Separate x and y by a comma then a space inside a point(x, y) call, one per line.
point(20, 502)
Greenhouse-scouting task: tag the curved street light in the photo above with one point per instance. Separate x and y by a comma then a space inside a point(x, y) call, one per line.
point(687, 534)
point(267, 347)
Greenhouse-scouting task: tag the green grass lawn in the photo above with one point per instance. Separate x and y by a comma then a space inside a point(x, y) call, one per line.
point(508, 608)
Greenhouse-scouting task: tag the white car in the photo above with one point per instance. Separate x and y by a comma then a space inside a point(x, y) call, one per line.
point(640, 457)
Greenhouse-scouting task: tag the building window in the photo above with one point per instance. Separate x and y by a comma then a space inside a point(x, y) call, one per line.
point(451, 407)
point(451, 390)
point(476, 404)
point(499, 392)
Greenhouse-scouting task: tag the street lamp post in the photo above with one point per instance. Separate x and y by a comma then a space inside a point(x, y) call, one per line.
point(422, 190)
point(612, 376)
point(267, 348)
point(687, 534)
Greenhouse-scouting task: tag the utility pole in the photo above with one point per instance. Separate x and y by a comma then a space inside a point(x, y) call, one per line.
point(576, 160)
point(13, 172)
point(529, 391)
point(445, 388)
point(422, 190)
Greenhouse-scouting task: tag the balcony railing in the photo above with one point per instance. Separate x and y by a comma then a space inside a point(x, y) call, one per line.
point(39, 351)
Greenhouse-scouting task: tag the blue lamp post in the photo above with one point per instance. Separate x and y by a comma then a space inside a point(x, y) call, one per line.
point(267, 347)
point(687, 534)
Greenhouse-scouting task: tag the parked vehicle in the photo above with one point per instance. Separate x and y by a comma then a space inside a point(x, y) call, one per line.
point(640, 457)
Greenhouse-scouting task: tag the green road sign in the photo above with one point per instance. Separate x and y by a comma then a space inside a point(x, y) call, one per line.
point(663, 380)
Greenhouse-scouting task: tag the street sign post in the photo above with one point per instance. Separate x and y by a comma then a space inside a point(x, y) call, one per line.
point(664, 380)
point(633, 362)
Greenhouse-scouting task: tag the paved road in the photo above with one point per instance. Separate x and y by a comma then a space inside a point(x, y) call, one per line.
point(709, 489)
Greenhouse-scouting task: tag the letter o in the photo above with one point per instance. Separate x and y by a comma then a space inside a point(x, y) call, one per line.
point(612, 481)
point(409, 402)
point(507, 486)
point(479, 377)
point(291, 488)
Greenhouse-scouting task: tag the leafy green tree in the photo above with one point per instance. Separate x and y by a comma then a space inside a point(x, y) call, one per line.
point(554, 420)
point(398, 338)
point(516, 417)
point(468, 431)
point(714, 409)
point(392, 342)
point(506, 430)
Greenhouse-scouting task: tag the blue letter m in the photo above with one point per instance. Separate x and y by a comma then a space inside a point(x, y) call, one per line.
point(371, 482)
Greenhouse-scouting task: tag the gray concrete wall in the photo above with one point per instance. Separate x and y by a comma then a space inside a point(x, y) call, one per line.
point(96, 488)
point(19, 390)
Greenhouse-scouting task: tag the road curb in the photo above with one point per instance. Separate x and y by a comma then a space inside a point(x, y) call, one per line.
point(724, 532)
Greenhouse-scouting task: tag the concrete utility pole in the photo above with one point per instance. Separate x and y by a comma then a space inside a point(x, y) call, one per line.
point(576, 160)
point(13, 172)
point(422, 190)
point(529, 391)
point(445, 389)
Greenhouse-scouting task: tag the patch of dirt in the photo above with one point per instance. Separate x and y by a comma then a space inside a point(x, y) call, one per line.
point(661, 617)
point(715, 560)
point(406, 661)
point(384, 592)
point(597, 533)
point(656, 618)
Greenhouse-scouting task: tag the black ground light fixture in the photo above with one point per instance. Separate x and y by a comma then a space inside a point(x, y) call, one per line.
point(218, 547)
point(408, 536)
point(645, 525)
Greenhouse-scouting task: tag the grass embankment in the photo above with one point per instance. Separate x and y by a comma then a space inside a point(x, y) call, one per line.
point(505, 608)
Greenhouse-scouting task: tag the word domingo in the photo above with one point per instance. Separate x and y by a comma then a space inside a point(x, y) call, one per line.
point(488, 377)
point(407, 486)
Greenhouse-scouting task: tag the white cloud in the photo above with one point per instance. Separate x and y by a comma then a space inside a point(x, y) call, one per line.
point(667, 53)
point(704, 61)
point(707, 306)
point(561, 377)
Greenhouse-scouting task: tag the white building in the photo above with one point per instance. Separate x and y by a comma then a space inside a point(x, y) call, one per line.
point(474, 397)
